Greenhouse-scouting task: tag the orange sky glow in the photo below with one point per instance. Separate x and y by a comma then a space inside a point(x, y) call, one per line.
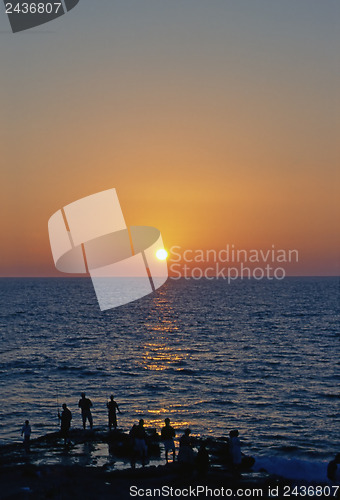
point(219, 129)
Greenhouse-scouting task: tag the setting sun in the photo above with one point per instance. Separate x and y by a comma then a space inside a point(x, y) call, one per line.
point(161, 254)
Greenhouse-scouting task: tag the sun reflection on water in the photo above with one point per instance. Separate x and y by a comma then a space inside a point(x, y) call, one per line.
point(161, 349)
point(155, 418)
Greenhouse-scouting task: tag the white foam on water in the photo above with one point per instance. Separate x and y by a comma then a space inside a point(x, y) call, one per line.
point(295, 469)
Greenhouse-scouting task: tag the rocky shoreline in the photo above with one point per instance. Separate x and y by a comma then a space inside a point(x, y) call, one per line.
point(97, 466)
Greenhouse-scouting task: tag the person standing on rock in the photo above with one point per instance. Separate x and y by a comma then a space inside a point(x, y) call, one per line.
point(65, 423)
point(138, 436)
point(26, 432)
point(235, 449)
point(112, 408)
point(85, 404)
point(186, 454)
point(167, 435)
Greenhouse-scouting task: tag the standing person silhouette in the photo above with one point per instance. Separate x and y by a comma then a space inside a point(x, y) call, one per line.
point(138, 435)
point(26, 432)
point(235, 449)
point(65, 423)
point(186, 454)
point(167, 435)
point(333, 470)
point(113, 408)
point(202, 460)
point(85, 404)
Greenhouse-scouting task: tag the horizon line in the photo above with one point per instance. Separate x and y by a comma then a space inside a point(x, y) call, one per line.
point(182, 277)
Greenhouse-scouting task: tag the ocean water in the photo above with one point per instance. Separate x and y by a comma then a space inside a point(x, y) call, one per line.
point(260, 356)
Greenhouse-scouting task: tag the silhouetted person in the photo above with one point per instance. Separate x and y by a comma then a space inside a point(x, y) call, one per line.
point(65, 423)
point(113, 408)
point(138, 435)
point(202, 460)
point(167, 435)
point(235, 449)
point(186, 454)
point(333, 469)
point(85, 404)
point(26, 432)
point(132, 434)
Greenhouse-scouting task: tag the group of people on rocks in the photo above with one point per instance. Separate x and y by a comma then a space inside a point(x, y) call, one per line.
point(138, 437)
point(186, 456)
point(85, 405)
point(65, 417)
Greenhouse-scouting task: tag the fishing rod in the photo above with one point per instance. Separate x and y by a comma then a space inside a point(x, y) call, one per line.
point(58, 413)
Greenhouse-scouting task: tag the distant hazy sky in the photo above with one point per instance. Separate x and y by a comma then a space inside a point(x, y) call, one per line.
point(217, 121)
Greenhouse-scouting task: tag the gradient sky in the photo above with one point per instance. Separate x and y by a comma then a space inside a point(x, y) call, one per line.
point(216, 121)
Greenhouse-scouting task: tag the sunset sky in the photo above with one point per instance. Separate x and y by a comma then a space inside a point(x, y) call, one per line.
point(216, 121)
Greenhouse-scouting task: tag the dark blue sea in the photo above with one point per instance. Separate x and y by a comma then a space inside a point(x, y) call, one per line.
point(260, 356)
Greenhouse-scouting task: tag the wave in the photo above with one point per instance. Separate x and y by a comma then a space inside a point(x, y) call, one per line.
point(186, 371)
point(329, 395)
point(11, 314)
point(82, 372)
point(157, 388)
point(294, 469)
